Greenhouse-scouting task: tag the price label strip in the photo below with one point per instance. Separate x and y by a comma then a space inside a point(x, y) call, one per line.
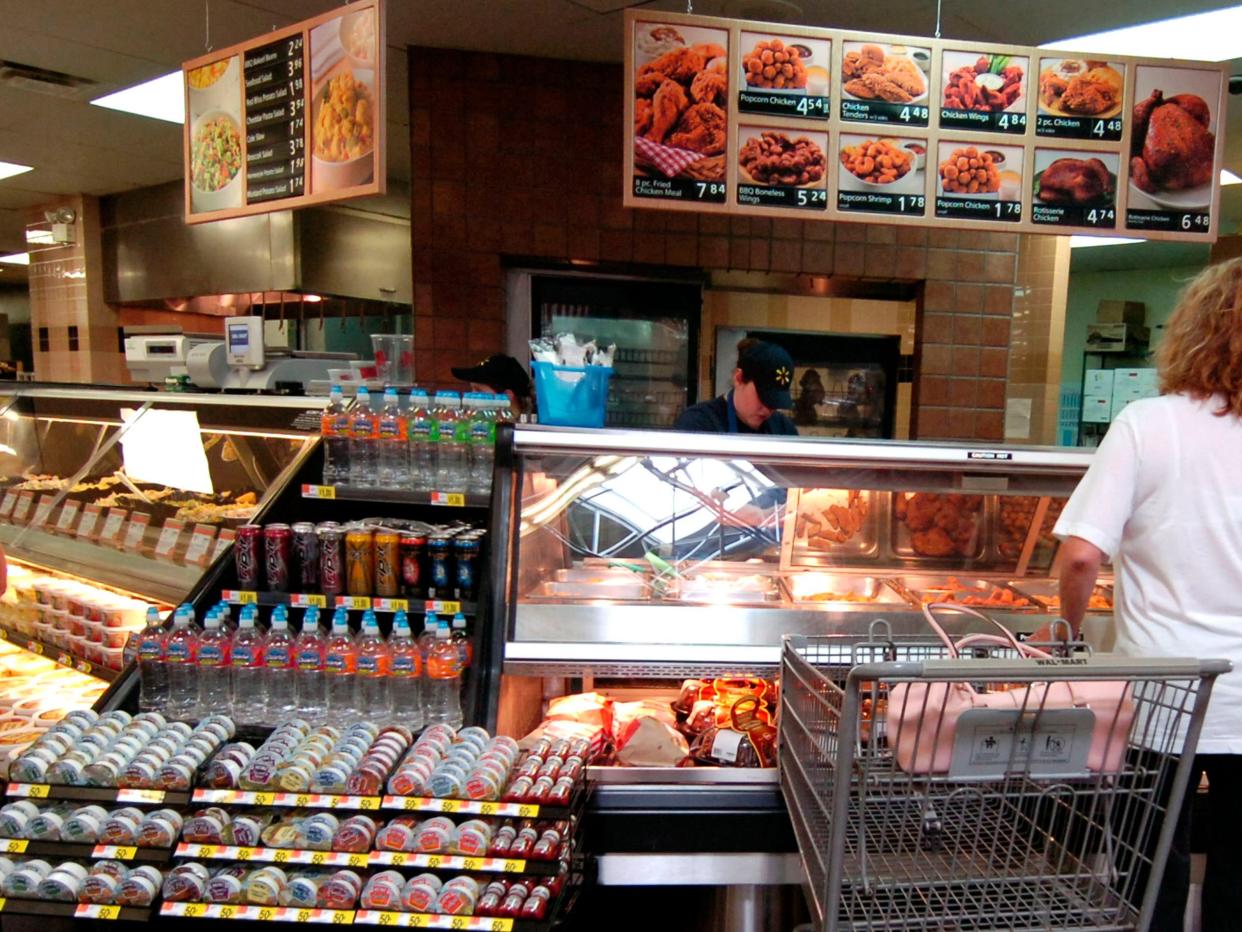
point(274, 855)
point(115, 852)
point(305, 600)
point(452, 499)
point(240, 596)
point(774, 103)
point(29, 790)
point(275, 120)
point(297, 800)
point(391, 605)
point(96, 911)
point(970, 208)
point(441, 608)
point(1102, 217)
point(880, 202)
point(468, 806)
point(369, 917)
point(448, 862)
point(1068, 127)
point(987, 122)
point(358, 603)
point(781, 195)
point(668, 189)
point(884, 112)
point(1179, 221)
point(15, 846)
point(319, 491)
point(139, 796)
point(337, 917)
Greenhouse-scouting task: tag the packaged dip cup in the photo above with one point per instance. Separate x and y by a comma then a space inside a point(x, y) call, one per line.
point(420, 893)
point(139, 887)
point(302, 891)
point(383, 891)
point(434, 836)
point(396, 836)
point(471, 838)
point(458, 897)
point(186, 883)
point(45, 826)
point(117, 869)
point(100, 888)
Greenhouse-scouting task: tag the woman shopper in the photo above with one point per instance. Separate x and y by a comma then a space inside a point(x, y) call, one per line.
point(1163, 500)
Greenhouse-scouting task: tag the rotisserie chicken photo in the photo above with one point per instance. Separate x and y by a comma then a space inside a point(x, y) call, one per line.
point(1172, 143)
point(1076, 181)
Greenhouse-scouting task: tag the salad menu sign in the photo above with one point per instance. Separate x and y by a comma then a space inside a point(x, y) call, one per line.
point(295, 117)
point(747, 118)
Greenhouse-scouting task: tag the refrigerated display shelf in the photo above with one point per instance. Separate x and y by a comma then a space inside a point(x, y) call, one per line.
point(334, 917)
point(297, 800)
point(356, 494)
point(59, 655)
point(66, 850)
point(90, 794)
point(274, 855)
point(16, 907)
point(465, 807)
point(354, 602)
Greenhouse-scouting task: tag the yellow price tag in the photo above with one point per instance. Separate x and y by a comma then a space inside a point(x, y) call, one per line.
point(244, 854)
point(304, 915)
point(416, 921)
point(194, 910)
point(527, 812)
point(264, 799)
point(359, 602)
point(318, 858)
point(450, 608)
point(16, 846)
point(245, 597)
point(398, 859)
point(280, 857)
point(358, 860)
point(412, 803)
point(266, 913)
point(318, 601)
point(38, 790)
point(450, 805)
point(108, 912)
point(368, 803)
point(319, 491)
point(501, 925)
point(471, 864)
point(387, 919)
point(459, 922)
point(433, 860)
point(487, 809)
point(3, 900)
point(226, 912)
point(125, 853)
point(515, 867)
point(342, 917)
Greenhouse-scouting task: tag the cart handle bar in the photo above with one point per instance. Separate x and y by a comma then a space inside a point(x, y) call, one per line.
point(1098, 667)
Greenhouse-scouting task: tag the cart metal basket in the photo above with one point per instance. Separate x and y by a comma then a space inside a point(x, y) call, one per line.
point(1018, 833)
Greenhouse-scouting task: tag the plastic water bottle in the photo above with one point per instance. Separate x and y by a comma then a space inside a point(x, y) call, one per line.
point(278, 669)
point(309, 683)
point(503, 408)
point(406, 676)
point(423, 435)
point(482, 442)
point(180, 657)
point(152, 674)
point(427, 637)
point(363, 463)
point(391, 438)
point(340, 670)
point(442, 697)
point(454, 441)
point(334, 426)
point(465, 649)
point(249, 699)
point(374, 669)
point(214, 657)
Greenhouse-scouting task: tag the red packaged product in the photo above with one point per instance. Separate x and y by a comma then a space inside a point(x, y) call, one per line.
point(524, 843)
point(540, 790)
point(518, 790)
point(536, 905)
point(561, 792)
point(502, 842)
point(513, 901)
point(546, 847)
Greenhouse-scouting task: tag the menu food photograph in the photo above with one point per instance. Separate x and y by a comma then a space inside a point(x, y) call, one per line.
point(213, 93)
point(882, 174)
point(344, 111)
point(1173, 148)
point(1081, 98)
point(784, 75)
point(984, 91)
point(782, 168)
point(1075, 188)
point(979, 181)
point(884, 83)
point(681, 122)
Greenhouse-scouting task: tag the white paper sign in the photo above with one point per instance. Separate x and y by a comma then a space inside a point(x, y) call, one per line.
point(113, 524)
point(166, 448)
point(10, 499)
point(90, 519)
point(22, 508)
point(43, 511)
point(226, 538)
point(200, 544)
point(68, 514)
point(170, 535)
point(137, 528)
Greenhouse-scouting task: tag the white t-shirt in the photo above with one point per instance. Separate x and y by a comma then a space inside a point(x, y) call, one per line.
point(1163, 498)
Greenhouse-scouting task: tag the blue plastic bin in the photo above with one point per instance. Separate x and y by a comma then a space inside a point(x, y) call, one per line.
point(571, 396)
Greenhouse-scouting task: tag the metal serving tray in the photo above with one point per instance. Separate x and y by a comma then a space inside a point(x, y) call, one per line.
point(860, 592)
point(1047, 593)
point(813, 543)
point(903, 538)
point(928, 588)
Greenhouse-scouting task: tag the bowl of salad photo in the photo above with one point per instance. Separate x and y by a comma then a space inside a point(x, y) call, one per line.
point(215, 162)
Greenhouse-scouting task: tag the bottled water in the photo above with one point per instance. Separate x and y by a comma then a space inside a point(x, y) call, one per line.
point(278, 669)
point(503, 408)
point(423, 435)
point(406, 690)
point(453, 430)
point(213, 667)
point(152, 674)
point(442, 697)
point(482, 442)
point(374, 669)
point(363, 463)
point(309, 683)
point(428, 637)
point(334, 426)
point(180, 656)
point(391, 437)
point(249, 700)
point(340, 670)
point(465, 649)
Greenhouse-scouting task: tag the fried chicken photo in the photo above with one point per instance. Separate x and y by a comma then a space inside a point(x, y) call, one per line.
point(666, 108)
point(642, 116)
point(1097, 91)
point(645, 85)
point(1172, 148)
point(872, 75)
point(875, 84)
point(1075, 181)
point(681, 65)
point(703, 128)
point(710, 87)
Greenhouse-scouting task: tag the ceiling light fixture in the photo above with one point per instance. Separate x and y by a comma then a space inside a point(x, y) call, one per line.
point(1227, 178)
point(1079, 242)
point(16, 258)
point(9, 169)
point(1213, 35)
point(161, 98)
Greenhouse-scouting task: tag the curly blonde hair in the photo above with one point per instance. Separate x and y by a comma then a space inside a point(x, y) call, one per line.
point(1201, 353)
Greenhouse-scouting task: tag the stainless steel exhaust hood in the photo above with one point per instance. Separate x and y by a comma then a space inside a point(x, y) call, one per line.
point(153, 258)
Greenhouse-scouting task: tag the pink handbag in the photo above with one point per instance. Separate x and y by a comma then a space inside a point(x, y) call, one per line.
point(923, 716)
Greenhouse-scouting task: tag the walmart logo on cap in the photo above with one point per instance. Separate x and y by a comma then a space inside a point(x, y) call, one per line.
point(782, 376)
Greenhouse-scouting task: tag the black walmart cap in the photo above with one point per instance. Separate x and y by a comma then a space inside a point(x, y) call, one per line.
point(502, 373)
point(771, 369)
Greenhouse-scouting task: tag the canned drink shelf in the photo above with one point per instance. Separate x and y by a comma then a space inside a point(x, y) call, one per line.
point(356, 494)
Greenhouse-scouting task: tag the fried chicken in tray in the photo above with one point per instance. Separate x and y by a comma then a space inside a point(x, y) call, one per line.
point(940, 525)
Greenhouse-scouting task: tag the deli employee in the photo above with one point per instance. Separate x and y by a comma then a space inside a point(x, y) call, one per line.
point(761, 384)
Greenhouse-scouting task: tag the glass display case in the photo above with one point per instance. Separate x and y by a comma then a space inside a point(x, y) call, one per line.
point(666, 568)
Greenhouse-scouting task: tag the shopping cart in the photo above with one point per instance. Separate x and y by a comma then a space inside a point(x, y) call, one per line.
point(1006, 818)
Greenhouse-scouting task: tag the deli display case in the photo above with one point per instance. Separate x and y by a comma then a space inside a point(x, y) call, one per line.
point(655, 574)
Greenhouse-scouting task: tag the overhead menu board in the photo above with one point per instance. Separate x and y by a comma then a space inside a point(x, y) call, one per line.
point(292, 118)
point(750, 118)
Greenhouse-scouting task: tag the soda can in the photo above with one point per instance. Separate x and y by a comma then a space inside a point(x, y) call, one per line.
point(466, 550)
point(247, 555)
point(306, 556)
point(387, 562)
point(277, 551)
point(331, 558)
point(413, 549)
point(440, 581)
point(359, 561)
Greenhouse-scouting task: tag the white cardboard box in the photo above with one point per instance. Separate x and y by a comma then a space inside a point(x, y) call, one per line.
point(1133, 384)
point(1097, 409)
point(1097, 382)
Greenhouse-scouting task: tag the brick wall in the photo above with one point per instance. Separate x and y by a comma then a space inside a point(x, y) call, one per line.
point(521, 157)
